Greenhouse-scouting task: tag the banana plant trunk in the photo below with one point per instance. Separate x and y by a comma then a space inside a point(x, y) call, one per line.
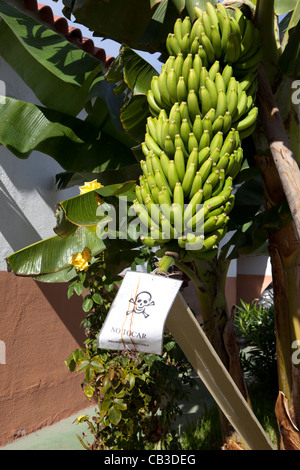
point(284, 249)
point(209, 278)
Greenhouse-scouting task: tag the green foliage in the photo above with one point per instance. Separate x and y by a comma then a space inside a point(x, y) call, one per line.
point(255, 326)
point(136, 393)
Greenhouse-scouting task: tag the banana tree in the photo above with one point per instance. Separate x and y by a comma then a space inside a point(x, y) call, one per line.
point(208, 274)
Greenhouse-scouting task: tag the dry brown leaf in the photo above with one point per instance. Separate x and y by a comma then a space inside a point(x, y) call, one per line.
point(290, 435)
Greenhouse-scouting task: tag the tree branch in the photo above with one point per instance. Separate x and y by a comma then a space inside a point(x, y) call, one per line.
point(287, 167)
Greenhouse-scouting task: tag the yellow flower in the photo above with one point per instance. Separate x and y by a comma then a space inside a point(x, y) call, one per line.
point(81, 260)
point(90, 186)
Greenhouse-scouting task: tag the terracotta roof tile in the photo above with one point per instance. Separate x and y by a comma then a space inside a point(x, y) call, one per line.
point(72, 34)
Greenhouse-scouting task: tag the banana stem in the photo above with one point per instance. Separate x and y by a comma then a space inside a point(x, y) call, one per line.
point(264, 20)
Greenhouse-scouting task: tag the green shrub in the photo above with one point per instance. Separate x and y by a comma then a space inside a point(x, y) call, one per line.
point(137, 394)
point(255, 325)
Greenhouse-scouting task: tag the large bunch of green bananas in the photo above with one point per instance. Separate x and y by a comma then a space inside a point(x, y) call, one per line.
point(202, 106)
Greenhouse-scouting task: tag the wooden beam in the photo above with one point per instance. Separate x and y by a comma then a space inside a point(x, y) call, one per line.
point(207, 364)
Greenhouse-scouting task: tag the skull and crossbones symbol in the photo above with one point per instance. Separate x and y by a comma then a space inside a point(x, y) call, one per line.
point(142, 300)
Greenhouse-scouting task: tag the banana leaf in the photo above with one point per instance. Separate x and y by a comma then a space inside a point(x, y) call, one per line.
point(52, 255)
point(289, 61)
point(138, 25)
point(67, 179)
point(59, 73)
point(74, 144)
point(83, 210)
point(62, 76)
point(134, 75)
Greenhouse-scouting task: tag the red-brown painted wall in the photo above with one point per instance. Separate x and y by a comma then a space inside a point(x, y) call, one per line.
point(40, 328)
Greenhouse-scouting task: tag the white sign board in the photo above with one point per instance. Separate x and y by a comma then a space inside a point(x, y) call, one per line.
point(138, 313)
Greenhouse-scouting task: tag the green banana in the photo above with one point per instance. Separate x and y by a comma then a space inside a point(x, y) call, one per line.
point(153, 210)
point(207, 189)
point(186, 67)
point(214, 69)
point(197, 127)
point(152, 144)
point(241, 107)
point(186, 26)
point(193, 80)
point(227, 74)
point(173, 129)
point(154, 193)
point(220, 185)
point(182, 91)
point(248, 121)
point(201, 106)
point(161, 181)
point(218, 125)
point(232, 101)
point(197, 64)
point(197, 29)
point(219, 81)
point(173, 177)
point(193, 206)
point(216, 41)
point(178, 196)
point(175, 114)
point(178, 142)
point(164, 160)
point(205, 139)
point(195, 46)
point(207, 45)
point(172, 85)
point(215, 155)
point(217, 141)
point(151, 127)
point(207, 24)
point(172, 45)
point(225, 34)
point(178, 29)
point(138, 193)
point(247, 39)
point(185, 44)
point(203, 56)
point(185, 130)
point(169, 146)
point(248, 131)
point(153, 106)
point(227, 122)
point(169, 63)
point(241, 21)
point(205, 168)
point(178, 63)
point(188, 178)
point(212, 90)
point(196, 185)
point(164, 201)
point(210, 224)
point(193, 104)
point(221, 107)
point(163, 88)
point(205, 99)
point(207, 125)
point(179, 162)
point(192, 143)
point(211, 11)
